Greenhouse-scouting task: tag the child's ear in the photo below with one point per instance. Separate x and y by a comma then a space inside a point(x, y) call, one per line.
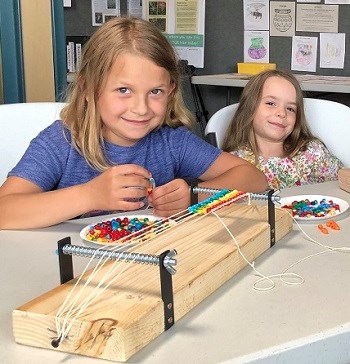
point(172, 87)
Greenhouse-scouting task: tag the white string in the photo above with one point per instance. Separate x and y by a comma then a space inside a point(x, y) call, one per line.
point(284, 275)
point(252, 265)
point(93, 295)
point(71, 310)
point(328, 249)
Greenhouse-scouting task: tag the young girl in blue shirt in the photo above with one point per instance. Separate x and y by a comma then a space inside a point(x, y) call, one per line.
point(125, 122)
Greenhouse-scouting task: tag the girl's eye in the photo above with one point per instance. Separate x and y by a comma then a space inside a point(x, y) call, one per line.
point(156, 91)
point(270, 103)
point(291, 109)
point(123, 90)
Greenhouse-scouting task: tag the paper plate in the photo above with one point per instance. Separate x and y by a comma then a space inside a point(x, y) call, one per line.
point(343, 206)
point(87, 237)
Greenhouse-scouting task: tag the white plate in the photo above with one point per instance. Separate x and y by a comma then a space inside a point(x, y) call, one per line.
point(85, 230)
point(343, 205)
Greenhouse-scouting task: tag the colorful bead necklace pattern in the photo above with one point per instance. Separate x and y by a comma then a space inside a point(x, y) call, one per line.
point(217, 201)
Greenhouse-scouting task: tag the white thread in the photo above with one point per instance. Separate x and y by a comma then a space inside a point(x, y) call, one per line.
point(252, 265)
point(329, 249)
point(71, 311)
point(284, 274)
point(183, 216)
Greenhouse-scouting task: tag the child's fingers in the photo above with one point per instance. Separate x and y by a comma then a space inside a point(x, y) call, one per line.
point(131, 169)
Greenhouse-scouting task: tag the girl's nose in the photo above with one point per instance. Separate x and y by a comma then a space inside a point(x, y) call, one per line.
point(139, 105)
point(281, 112)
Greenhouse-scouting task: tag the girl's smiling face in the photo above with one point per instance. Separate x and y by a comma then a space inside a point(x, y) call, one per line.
point(134, 100)
point(275, 115)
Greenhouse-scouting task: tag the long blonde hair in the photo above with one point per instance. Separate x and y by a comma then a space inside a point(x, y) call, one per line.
point(240, 132)
point(116, 37)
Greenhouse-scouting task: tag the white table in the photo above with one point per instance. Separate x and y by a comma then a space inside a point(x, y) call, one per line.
point(309, 323)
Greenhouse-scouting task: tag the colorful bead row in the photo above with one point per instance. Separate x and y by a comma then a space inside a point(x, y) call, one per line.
point(307, 209)
point(217, 201)
point(120, 228)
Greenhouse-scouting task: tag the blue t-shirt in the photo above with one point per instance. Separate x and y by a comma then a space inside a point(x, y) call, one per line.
point(168, 153)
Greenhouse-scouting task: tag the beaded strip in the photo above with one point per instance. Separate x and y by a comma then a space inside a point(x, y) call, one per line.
point(217, 201)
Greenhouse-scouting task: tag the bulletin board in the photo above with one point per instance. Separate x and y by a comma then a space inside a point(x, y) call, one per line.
point(224, 43)
point(183, 22)
point(223, 27)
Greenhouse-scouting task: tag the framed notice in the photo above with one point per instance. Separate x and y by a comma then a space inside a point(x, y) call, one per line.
point(182, 21)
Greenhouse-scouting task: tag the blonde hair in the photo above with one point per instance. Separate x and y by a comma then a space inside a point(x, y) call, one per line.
point(116, 37)
point(240, 132)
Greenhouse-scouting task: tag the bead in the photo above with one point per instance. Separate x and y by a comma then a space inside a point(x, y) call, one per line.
point(322, 229)
point(120, 228)
point(222, 198)
point(308, 209)
point(333, 225)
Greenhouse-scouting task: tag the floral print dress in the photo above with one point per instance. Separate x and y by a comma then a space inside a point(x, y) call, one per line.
point(315, 164)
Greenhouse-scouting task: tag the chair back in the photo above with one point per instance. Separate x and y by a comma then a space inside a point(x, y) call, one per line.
point(19, 124)
point(328, 120)
point(216, 128)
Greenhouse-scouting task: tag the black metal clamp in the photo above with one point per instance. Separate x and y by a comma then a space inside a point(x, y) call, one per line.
point(271, 218)
point(165, 261)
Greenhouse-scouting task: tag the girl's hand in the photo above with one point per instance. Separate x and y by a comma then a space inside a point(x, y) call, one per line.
point(121, 187)
point(170, 198)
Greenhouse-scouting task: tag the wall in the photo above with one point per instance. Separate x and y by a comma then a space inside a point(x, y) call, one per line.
point(224, 46)
point(224, 49)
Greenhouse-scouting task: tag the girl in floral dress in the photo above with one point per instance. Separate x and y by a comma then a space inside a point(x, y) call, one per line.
point(270, 131)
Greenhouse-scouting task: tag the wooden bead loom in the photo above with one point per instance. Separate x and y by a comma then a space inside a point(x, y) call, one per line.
point(130, 313)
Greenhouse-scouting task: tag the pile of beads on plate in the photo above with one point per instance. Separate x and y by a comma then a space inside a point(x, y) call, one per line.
point(308, 209)
point(120, 228)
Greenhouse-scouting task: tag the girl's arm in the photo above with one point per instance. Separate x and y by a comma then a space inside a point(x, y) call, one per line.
point(227, 171)
point(24, 205)
point(232, 172)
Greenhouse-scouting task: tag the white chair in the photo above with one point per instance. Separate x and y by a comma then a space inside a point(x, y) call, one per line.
point(328, 120)
point(215, 130)
point(19, 124)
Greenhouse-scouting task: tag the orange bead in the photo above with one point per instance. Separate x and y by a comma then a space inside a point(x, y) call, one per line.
point(333, 225)
point(322, 229)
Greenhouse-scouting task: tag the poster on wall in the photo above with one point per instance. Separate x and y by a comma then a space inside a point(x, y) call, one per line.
point(256, 46)
point(182, 22)
point(332, 50)
point(317, 18)
point(103, 10)
point(134, 8)
point(282, 14)
point(256, 14)
point(304, 54)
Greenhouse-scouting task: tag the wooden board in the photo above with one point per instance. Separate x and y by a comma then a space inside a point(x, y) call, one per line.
point(129, 314)
point(344, 179)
